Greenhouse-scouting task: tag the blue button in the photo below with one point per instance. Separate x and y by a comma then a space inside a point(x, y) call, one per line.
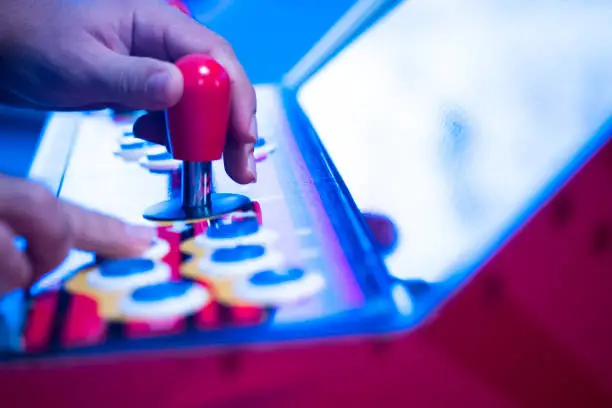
point(260, 142)
point(270, 278)
point(132, 146)
point(242, 228)
point(125, 267)
point(161, 291)
point(238, 254)
point(160, 156)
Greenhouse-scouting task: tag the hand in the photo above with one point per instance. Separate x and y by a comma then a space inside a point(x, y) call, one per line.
point(91, 54)
point(51, 228)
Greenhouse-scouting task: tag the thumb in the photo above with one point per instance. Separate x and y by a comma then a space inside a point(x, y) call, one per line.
point(139, 83)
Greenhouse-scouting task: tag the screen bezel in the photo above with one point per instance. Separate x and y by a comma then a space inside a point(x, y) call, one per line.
point(353, 23)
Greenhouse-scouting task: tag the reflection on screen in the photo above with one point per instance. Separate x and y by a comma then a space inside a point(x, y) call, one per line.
point(450, 117)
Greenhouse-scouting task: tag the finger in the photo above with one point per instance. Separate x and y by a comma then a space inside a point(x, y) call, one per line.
point(104, 235)
point(32, 212)
point(15, 270)
point(152, 128)
point(136, 82)
point(176, 35)
point(239, 162)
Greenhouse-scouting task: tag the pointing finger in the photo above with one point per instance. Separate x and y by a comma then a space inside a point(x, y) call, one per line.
point(106, 236)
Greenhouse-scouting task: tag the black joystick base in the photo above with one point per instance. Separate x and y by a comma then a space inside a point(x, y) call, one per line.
point(220, 204)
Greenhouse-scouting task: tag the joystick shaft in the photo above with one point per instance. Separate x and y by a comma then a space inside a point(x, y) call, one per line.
point(196, 184)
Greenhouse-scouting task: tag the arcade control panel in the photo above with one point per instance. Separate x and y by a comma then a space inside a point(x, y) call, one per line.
point(231, 263)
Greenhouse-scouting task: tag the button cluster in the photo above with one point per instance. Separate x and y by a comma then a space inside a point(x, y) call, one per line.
point(242, 252)
point(206, 274)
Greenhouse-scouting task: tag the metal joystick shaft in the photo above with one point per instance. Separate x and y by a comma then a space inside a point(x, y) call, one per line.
point(197, 131)
point(196, 185)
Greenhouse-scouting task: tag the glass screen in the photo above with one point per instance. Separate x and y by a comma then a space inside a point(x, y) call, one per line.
point(452, 117)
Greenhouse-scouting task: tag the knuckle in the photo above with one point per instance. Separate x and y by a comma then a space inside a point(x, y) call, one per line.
point(224, 47)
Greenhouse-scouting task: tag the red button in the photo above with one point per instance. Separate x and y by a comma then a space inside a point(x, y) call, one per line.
point(257, 211)
point(247, 315)
point(209, 317)
point(199, 227)
point(40, 322)
point(84, 326)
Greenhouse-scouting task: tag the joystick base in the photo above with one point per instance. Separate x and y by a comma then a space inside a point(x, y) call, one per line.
point(173, 210)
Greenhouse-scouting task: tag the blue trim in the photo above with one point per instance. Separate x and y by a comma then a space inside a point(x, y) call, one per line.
point(330, 54)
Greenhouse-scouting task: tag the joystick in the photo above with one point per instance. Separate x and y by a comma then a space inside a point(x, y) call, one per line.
point(197, 130)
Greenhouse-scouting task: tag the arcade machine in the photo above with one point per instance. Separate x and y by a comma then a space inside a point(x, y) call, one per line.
point(481, 131)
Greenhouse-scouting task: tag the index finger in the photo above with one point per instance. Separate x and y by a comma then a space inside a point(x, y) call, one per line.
point(105, 235)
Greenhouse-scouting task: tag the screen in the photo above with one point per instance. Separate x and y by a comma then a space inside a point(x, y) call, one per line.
point(452, 117)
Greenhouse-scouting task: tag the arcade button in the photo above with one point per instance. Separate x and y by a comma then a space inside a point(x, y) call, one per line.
point(159, 160)
point(227, 234)
point(254, 212)
point(131, 148)
point(126, 132)
point(263, 149)
point(128, 274)
point(159, 248)
point(279, 287)
point(165, 301)
point(239, 261)
point(122, 119)
point(124, 115)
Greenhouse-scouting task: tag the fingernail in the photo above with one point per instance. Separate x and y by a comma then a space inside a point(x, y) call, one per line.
point(157, 87)
point(252, 167)
point(253, 129)
point(140, 232)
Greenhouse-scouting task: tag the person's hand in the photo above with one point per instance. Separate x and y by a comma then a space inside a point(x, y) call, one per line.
point(91, 54)
point(51, 228)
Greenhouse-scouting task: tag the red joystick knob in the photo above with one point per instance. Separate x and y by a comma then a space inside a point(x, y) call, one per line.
point(178, 4)
point(197, 124)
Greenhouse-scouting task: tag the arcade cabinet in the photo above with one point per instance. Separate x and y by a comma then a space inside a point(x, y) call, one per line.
point(481, 131)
